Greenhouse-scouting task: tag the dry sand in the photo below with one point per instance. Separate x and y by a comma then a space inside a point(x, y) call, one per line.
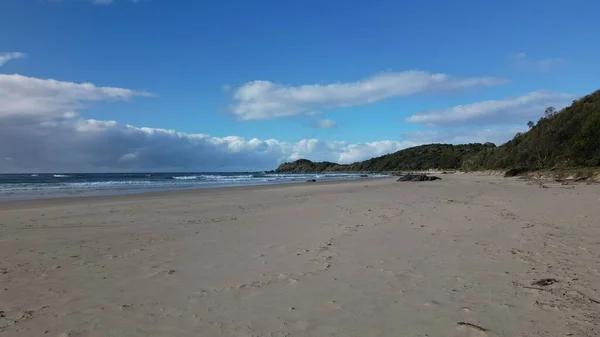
point(457, 257)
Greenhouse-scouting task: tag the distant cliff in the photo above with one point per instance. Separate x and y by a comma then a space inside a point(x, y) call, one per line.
point(558, 140)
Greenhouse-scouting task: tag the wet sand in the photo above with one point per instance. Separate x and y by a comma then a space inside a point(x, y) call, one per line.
point(468, 255)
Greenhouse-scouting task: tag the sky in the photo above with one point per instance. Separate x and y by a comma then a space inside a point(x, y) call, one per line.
point(236, 85)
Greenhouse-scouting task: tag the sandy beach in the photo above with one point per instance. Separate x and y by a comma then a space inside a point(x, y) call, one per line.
point(469, 255)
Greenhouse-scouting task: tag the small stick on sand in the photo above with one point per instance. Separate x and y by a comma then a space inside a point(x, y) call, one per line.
point(471, 325)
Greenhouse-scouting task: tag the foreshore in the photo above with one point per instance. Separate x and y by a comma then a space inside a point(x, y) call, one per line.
point(469, 255)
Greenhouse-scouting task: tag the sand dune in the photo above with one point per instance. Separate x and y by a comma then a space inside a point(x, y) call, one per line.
point(466, 256)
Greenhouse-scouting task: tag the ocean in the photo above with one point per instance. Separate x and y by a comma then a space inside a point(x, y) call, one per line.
point(50, 185)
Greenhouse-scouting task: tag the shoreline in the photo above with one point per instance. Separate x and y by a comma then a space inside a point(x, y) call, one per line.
point(144, 195)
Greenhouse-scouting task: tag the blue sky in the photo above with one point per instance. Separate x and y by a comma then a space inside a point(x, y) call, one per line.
point(269, 81)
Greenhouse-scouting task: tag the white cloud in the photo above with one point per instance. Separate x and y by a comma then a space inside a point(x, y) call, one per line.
point(511, 110)
point(325, 124)
point(267, 100)
point(523, 62)
point(28, 96)
point(5, 57)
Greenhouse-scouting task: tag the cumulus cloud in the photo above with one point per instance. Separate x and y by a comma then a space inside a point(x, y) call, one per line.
point(268, 100)
point(48, 98)
point(523, 62)
point(511, 110)
point(5, 57)
point(325, 124)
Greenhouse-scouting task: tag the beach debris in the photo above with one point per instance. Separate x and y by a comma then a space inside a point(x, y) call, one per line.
point(311, 181)
point(474, 326)
point(418, 177)
point(544, 282)
point(171, 272)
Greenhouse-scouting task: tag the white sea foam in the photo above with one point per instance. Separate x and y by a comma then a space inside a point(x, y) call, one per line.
point(185, 177)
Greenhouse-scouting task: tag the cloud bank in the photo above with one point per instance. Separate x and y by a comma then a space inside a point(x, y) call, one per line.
point(267, 100)
point(74, 144)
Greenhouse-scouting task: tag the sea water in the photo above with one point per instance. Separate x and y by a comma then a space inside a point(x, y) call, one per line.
point(50, 185)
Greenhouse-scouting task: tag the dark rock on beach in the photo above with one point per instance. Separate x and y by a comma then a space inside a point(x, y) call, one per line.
point(418, 177)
